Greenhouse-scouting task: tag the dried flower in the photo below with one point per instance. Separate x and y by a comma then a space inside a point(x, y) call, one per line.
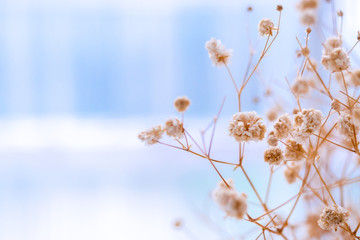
point(272, 113)
point(305, 51)
point(345, 125)
point(229, 200)
point(332, 217)
point(279, 8)
point(307, 4)
point(291, 172)
point(294, 151)
point(273, 155)
point(340, 13)
point(247, 126)
point(308, 17)
point(331, 43)
point(335, 104)
point(336, 60)
point(181, 104)
point(265, 27)
point(307, 122)
point(358, 36)
point(174, 128)
point(355, 117)
point(308, 30)
point(300, 87)
point(283, 126)
point(217, 52)
point(249, 9)
point(151, 136)
point(271, 139)
point(355, 77)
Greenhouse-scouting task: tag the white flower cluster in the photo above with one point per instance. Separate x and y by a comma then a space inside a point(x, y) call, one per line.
point(265, 27)
point(334, 58)
point(332, 217)
point(247, 126)
point(217, 52)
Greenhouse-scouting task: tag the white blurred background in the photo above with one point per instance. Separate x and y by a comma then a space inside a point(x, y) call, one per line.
point(80, 78)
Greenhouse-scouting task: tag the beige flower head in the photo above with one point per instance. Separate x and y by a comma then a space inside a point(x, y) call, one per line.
point(300, 87)
point(265, 27)
point(336, 60)
point(217, 52)
point(355, 78)
point(308, 17)
point(247, 126)
point(306, 122)
point(335, 104)
point(283, 126)
point(291, 172)
point(229, 200)
point(294, 151)
point(273, 156)
point(345, 125)
point(174, 128)
point(181, 104)
point(151, 136)
point(307, 4)
point(272, 139)
point(332, 217)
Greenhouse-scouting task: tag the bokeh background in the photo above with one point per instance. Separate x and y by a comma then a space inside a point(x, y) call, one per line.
point(80, 78)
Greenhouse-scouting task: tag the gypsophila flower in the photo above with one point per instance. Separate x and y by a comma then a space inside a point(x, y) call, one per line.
point(272, 139)
point(181, 104)
point(265, 27)
point(355, 77)
point(332, 217)
point(229, 200)
point(300, 87)
point(306, 122)
point(283, 126)
point(345, 125)
point(332, 43)
point(335, 104)
point(174, 128)
point(308, 17)
point(272, 113)
point(273, 155)
point(294, 151)
point(307, 4)
point(291, 173)
point(336, 60)
point(217, 52)
point(151, 136)
point(247, 126)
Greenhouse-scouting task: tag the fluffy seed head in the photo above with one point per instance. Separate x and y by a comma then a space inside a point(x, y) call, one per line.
point(265, 27)
point(151, 136)
point(332, 217)
point(283, 126)
point(247, 126)
point(331, 43)
point(273, 156)
point(174, 128)
point(181, 104)
point(217, 52)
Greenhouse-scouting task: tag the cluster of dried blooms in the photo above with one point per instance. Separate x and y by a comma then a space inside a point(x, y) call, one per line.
point(308, 142)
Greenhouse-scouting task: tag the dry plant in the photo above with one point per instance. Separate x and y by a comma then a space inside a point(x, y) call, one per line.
point(308, 145)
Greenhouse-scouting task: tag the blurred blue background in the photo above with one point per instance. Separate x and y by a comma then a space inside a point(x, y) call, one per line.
point(80, 78)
